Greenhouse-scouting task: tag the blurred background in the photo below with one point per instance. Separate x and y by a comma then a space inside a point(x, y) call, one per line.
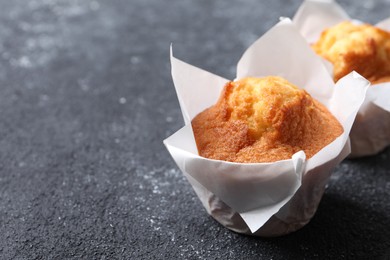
point(86, 99)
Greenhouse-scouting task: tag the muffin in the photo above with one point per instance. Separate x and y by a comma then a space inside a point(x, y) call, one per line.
point(356, 47)
point(270, 198)
point(263, 120)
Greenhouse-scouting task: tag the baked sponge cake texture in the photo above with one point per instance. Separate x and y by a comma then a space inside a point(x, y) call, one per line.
point(363, 48)
point(263, 120)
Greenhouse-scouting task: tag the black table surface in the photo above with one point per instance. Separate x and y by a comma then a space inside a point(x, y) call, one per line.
point(87, 99)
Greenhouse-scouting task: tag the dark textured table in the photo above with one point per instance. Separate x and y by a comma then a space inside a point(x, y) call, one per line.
point(86, 100)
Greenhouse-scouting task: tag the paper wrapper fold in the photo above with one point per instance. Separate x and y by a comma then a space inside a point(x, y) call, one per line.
point(265, 199)
point(371, 131)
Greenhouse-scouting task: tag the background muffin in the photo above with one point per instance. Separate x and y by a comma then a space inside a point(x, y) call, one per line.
point(356, 47)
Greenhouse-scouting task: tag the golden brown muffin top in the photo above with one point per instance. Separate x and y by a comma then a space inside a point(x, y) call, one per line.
point(263, 120)
point(363, 48)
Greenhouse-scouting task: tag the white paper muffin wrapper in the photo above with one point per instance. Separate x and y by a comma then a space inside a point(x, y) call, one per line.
point(266, 199)
point(370, 133)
